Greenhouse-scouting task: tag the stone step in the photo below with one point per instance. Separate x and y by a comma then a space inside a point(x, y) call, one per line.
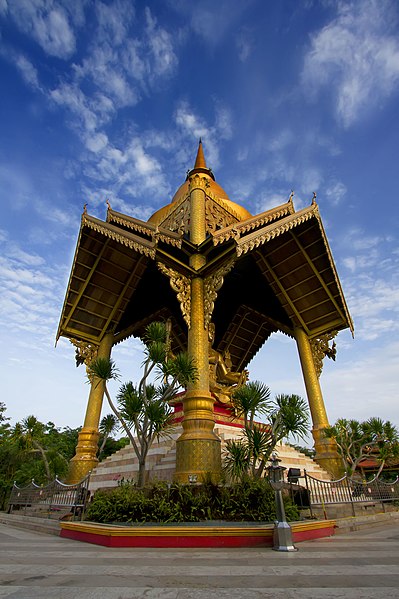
point(161, 460)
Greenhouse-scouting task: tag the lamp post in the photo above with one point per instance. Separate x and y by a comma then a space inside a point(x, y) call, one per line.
point(282, 535)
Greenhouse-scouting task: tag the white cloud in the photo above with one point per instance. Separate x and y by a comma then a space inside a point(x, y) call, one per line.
point(335, 192)
point(27, 70)
point(48, 23)
point(372, 289)
point(114, 19)
point(210, 24)
point(363, 384)
point(356, 56)
point(97, 142)
point(243, 45)
point(192, 124)
point(70, 96)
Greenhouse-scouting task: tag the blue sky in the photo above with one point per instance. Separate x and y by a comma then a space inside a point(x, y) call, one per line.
point(108, 99)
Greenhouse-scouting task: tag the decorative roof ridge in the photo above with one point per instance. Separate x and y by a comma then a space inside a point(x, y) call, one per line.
point(144, 227)
point(222, 203)
point(75, 257)
point(259, 237)
point(235, 230)
point(143, 246)
point(333, 267)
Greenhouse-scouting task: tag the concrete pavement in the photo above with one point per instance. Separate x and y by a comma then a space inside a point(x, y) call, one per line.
point(362, 564)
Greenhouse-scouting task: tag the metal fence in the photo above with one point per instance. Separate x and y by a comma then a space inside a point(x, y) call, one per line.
point(347, 490)
point(55, 497)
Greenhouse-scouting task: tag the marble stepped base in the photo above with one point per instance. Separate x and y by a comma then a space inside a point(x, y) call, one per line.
point(161, 460)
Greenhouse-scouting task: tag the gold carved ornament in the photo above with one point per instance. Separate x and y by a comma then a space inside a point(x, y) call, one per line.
point(321, 348)
point(85, 353)
point(179, 219)
point(181, 285)
point(216, 216)
point(223, 381)
point(212, 284)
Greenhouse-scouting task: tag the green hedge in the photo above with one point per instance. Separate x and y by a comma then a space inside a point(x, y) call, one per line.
point(251, 500)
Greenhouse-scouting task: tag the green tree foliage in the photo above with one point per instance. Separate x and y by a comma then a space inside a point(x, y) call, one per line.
point(108, 425)
point(143, 410)
point(252, 501)
point(373, 438)
point(285, 415)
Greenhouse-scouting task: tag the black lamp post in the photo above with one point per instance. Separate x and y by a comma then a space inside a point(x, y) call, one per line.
point(282, 536)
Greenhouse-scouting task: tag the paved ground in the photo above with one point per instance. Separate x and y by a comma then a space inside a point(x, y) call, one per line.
point(356, 565)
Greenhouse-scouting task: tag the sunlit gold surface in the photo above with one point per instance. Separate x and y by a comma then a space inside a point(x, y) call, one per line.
point(198, 448)
point(213, 188)
point(251, 276)
point(85, 458)
point(326, 453)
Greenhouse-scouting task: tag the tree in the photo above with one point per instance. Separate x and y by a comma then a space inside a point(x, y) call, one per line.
point(285, 415)
point(30, 433)
point(108, 425)
point(373, 438)
point(143, 410)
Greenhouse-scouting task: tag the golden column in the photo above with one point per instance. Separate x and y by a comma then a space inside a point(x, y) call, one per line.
point(198, 450)
point(86, 450)
point(326, 453)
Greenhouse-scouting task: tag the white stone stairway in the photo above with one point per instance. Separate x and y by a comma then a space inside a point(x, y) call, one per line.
point(161, 460)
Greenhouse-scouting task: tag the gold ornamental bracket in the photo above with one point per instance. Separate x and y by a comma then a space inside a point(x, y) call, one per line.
point(85, 353)
point(212, 284)
point(321, 348)
point(181, 285)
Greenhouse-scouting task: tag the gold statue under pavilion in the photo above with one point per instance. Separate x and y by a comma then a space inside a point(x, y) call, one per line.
point(225, 280)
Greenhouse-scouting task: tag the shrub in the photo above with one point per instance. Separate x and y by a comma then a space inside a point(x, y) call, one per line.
point(252, 500)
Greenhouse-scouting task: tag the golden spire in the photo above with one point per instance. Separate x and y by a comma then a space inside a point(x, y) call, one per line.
point(200, 163)
point(200, 160)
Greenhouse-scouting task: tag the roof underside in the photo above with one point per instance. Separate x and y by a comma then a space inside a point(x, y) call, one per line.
point(283, 277)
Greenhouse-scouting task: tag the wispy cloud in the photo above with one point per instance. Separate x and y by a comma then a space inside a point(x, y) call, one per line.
point(356, 56)
point(48, 22)
point(372, 288)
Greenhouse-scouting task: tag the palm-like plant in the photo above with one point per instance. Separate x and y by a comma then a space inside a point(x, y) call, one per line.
point(108, 425)
point(285, 415)
point(143, 411)
point(30, 433)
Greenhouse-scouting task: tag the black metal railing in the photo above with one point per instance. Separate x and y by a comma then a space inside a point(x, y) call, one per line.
point(53, 497)
point(351, 491)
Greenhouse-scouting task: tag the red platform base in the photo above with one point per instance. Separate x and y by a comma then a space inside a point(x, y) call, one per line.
point(229, 535)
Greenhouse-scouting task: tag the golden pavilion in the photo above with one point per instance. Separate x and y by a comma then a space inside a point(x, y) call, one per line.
point(225, 281)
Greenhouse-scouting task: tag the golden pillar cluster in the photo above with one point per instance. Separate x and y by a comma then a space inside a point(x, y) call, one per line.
point(198, 448)
point(326, 453)
point(85, 458)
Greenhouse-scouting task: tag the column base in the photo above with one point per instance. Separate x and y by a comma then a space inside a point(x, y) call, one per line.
point(326, 454)
point(85, 459)
point(197, 460)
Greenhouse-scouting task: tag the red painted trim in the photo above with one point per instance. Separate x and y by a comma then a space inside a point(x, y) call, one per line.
point(186, 540)
point(171, 542)
point(318, 533)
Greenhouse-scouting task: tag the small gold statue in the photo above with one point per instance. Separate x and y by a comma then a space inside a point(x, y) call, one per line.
point(223, 381)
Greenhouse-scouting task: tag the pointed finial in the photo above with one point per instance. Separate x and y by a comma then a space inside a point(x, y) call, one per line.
point(314, 198)
point(291, 195)
point(108, 204)
point(200, 160)
point(85, 209)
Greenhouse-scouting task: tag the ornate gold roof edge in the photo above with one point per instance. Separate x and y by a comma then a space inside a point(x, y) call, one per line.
point(124, 237)
point(237, 229)
point(257, 238)
point(136, 224)
point(333, 267)
point(59, 329)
